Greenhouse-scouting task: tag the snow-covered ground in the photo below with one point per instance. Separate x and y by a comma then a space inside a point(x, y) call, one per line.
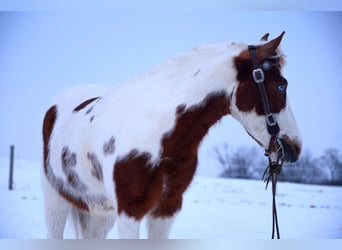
point(213, 208)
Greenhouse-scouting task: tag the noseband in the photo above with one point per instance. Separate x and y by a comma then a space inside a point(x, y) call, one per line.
point(275, 151)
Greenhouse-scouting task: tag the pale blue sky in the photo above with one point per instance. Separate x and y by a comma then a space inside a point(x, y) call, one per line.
point(42, 53)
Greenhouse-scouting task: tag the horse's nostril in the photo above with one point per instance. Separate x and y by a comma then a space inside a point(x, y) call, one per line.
point(291, 151)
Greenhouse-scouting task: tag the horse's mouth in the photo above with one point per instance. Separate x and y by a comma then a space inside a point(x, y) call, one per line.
point(291, 149)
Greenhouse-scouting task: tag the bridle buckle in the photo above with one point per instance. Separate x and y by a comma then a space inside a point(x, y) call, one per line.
point(258, 75)
point(270, 120)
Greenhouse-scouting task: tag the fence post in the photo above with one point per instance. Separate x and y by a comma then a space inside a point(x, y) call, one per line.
point(10, 183)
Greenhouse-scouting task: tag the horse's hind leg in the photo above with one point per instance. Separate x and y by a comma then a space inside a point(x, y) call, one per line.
point(56, 212)
point(88, 226)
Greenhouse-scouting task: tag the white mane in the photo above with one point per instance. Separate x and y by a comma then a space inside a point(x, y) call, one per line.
point(184, 61)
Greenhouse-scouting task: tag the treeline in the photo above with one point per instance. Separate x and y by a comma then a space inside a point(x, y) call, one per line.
point(250, 163)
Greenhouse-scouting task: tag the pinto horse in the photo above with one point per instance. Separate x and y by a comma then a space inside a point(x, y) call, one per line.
point(130, 152)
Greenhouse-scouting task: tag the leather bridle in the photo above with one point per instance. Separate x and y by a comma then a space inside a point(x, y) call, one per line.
point(271, 123)
point(275, 151)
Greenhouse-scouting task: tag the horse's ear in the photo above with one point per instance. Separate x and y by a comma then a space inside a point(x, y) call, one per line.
point(265, 37)
point(269, 48)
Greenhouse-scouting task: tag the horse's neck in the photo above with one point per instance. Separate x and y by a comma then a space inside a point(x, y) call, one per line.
point(194, 84)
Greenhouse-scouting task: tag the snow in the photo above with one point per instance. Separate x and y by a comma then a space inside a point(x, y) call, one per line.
point(213, 208)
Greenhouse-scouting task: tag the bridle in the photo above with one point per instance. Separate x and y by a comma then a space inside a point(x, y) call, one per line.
point(275, 151)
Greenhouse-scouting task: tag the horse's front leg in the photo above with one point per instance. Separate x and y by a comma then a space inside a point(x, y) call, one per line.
point(128, 227)
point(160, 221)
point(159, 227)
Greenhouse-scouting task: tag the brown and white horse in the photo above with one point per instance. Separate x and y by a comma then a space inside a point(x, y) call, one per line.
point(130, 152)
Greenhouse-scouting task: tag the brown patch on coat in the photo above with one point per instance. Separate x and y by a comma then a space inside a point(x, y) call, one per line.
point(196, 73)
point(180, 109)
point(247, 92)
point(180, 147)
point(77, 197)
point(89, 110)
point(109, 146)
point(68, 162)
point(141, 186)
point(138, 186)
point(63, 189)
point(84, 104)
point(96, 170)
point(48, 125)
point(68, 159)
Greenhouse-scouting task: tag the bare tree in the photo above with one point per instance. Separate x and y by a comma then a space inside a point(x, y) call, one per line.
point(243, 163)
point(298, 172)
point(332, 159)
point(249, 163)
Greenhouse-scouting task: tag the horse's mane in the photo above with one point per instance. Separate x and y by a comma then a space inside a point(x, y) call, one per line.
point(186, 59)
point(200, 52)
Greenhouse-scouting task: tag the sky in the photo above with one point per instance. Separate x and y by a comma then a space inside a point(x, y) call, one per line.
point(42, 53)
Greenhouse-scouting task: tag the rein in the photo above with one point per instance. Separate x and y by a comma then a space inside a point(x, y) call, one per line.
point(273, 169)
point(275, 151)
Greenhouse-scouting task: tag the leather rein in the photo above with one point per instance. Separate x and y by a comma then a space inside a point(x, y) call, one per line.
point(275, 151)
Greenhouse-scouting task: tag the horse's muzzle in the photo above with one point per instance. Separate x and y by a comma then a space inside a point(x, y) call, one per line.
point(292, 150)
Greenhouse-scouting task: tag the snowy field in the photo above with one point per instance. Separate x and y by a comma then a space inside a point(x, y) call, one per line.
point(213, 208)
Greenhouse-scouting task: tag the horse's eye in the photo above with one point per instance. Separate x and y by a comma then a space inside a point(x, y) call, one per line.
point(281, 88)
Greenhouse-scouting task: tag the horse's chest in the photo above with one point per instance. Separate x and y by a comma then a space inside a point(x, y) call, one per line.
point(143, 187)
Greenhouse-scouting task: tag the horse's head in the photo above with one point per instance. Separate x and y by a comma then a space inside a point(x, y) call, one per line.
point(259, 101)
